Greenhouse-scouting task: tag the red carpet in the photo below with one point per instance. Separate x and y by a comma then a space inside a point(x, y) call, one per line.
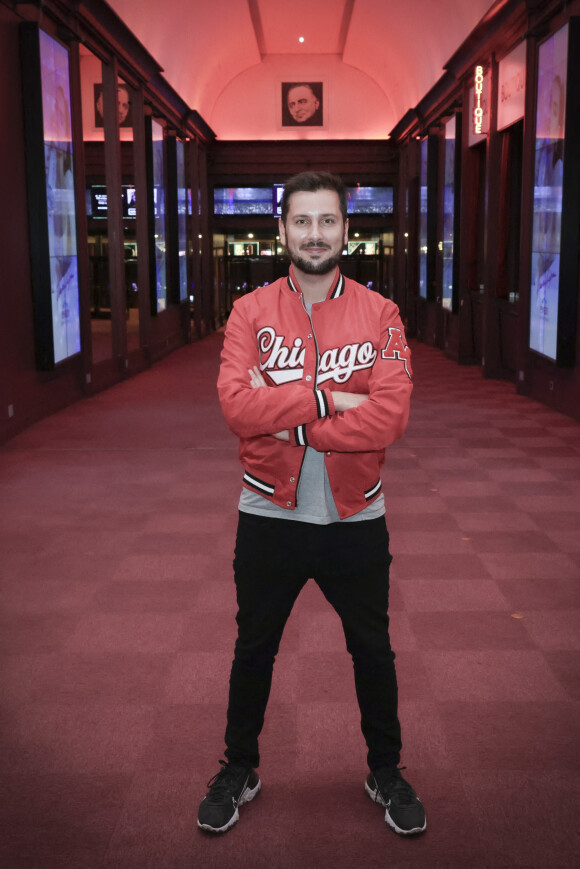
point(117, 630)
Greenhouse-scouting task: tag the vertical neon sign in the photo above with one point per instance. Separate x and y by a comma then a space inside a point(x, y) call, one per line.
point(477, 101)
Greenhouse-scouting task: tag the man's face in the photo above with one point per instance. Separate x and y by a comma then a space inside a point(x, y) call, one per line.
point(302, 103)
point(314, 233)
point(122, 103)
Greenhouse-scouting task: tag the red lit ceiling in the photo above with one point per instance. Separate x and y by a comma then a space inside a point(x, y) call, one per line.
point(206, 47)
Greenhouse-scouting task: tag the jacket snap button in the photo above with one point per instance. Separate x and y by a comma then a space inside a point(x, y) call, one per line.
point(291, 479)
point(308, 377)
point(288, 503)
point(328, 453)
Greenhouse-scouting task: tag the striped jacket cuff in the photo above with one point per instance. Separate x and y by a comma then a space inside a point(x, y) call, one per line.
point(324, 403)
point(300, 436)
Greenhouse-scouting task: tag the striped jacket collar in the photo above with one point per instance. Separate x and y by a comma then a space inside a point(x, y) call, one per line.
point(336, 290)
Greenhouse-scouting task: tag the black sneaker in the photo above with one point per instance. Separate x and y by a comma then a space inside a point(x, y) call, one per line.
point(405, 813)
point(231, 787)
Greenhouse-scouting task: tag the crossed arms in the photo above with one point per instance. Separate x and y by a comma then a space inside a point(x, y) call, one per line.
point(342, 400)
point(350, 421)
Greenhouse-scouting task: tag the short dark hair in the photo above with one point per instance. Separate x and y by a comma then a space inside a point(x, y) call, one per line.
point(310, 182)
point(304, 84)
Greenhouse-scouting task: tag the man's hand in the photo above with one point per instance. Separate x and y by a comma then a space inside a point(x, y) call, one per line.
point(256, 378)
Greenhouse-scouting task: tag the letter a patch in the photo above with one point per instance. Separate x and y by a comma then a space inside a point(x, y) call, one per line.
point(397, 349)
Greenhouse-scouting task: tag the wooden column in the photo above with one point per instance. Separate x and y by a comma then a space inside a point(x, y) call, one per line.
point(140, 174)
point(115, 215)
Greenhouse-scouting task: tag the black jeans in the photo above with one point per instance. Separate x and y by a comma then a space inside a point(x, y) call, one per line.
point(274, 558)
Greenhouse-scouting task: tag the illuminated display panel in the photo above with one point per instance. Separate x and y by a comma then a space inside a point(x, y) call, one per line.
point(242, 200)
point(369, 200)
point(267, 200)
point(60, 197)
point(549, 163)
point(182, 211)
point(96, 201)
point(448, 214)
point(423, 221)
point(159, 219)
point(277, 192)
point(362, 248)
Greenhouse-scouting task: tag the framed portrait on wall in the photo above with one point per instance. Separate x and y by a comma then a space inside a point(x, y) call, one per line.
point(302, 104)
point(123, 105)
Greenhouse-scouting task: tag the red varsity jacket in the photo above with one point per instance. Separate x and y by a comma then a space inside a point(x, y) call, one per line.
point(353, 341)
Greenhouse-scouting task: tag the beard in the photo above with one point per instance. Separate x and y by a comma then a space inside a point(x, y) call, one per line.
point(314, 268)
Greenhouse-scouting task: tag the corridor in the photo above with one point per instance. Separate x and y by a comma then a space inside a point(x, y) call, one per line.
point(117, 522)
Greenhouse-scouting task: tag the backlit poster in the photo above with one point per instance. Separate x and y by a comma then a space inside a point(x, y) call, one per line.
point(511, 89)
point(549, 163)
point(60, 197)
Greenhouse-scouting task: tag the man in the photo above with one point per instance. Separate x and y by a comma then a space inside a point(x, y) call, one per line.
point(123, 103)
point(303, 105)
point(315, 381)
point(123, 106)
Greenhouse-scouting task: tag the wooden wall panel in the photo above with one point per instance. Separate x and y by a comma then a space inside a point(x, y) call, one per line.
point(370, 162)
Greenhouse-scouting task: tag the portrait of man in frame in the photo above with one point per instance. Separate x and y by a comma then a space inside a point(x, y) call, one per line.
point(302, 104)
point(123, 105)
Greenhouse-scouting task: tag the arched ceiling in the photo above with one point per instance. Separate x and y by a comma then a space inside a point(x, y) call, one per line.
point(205, 45)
